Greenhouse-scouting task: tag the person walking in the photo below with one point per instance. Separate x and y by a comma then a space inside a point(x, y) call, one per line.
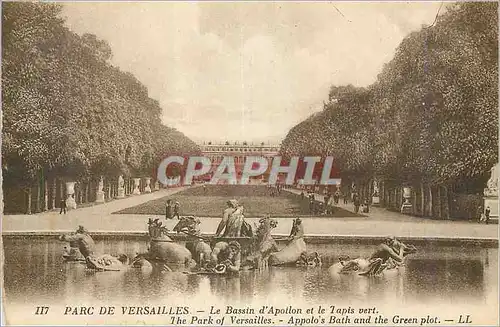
point(168, 210)
point(331, 206)
point(327, 198)
point(487, 214)
point(480, 214)
point(345, 195)
point(63, 206)
point(176, 210)
point(356, 201)
point(366, 207)
point(336, 197)
point(311, 203)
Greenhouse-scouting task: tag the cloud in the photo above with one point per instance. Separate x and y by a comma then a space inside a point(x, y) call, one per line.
point(247, 71)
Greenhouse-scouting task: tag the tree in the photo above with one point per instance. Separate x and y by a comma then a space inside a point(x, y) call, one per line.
point(67, 110)
point(432, 113)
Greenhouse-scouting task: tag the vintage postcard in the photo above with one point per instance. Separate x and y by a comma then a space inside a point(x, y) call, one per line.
point(250, 163)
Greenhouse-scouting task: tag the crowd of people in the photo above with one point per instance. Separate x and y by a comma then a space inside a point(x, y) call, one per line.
point(484, 216)
point(326, 204)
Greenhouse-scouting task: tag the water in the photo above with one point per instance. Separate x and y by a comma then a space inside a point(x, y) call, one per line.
point(35, 274)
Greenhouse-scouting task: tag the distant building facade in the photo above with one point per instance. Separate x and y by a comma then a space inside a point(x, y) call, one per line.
point(239, 151)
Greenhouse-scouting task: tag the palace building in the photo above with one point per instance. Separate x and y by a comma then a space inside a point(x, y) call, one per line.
point(238, 150)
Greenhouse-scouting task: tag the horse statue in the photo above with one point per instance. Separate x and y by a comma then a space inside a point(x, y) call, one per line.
point(200, 250)
point(263, 244)
point(309, 260)
point(163, 249)
point(296, 246)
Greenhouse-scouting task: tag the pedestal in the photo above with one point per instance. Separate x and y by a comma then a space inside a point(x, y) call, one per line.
point(100, 192)
point(121, 193)
point(121, 188)
point(147, 189)
point(491, 192)
point(375, 195)
point(136, 190)
point(70, 191)
point(99, 197)
point(406, 207)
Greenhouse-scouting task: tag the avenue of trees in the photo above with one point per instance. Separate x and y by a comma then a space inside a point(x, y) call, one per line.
point(68, 114)
point(430, 121)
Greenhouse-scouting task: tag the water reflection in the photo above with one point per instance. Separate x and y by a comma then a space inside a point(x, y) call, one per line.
point(34, 270)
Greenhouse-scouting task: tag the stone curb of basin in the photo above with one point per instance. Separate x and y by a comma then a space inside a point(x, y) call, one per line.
point(310, 238)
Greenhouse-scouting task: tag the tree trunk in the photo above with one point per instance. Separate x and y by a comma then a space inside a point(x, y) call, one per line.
point(82, 192)
point(45, 195)
point(438, 205)
point(430, 207)
point(62, 191)
point(78, 191)
point(92, 191)
point(381, 193)
point(394, 202)
point(390, 197)
point(38, 194)
point(400, 197)
point(422, 199)
point(414, 201)
point(109, 189)
point(396, 198)
point(53, 194)
point(370, 192)
point(28, 205)
point(85, 189)
point(446, 209)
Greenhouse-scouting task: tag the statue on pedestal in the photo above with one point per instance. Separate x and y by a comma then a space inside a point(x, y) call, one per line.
point(491, 193)
point(70, 191)
point(406, 207)
point(492, 186)
point(375, 195)
point(136, 190)
point(121, 189)
point(100, 192)
point(147, 189)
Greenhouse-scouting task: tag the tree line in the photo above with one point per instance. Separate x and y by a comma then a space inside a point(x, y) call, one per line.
point(67, 111)
point(431, 116)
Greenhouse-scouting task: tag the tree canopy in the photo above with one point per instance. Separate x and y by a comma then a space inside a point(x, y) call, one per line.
point(432, 114)
point(67, 110)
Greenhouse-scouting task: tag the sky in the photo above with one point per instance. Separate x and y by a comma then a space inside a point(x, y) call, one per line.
point(248, 71)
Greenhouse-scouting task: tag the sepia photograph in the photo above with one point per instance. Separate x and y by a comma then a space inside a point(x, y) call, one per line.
point(263, 163)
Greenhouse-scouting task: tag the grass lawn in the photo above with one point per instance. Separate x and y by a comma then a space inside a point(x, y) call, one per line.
point(211, 202)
